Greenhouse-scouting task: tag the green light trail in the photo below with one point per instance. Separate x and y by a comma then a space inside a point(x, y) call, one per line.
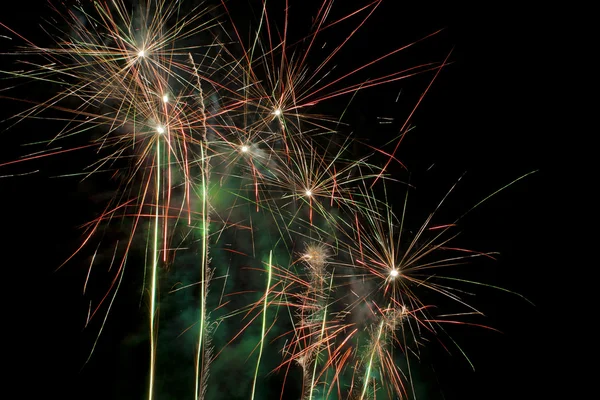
point(153, 280)
point(264, 323)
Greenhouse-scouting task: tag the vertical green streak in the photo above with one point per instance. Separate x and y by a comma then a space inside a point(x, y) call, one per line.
point(264, 323)
point(204, 234)
point(153, 280)
point(370, 365)
point(312, 382)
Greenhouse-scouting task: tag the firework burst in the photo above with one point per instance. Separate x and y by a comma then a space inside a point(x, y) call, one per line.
point(224, 158)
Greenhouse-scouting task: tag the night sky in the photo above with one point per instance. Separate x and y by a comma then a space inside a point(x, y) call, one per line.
point(482, 118)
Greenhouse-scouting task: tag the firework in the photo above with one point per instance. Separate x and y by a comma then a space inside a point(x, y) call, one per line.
point(229, 171)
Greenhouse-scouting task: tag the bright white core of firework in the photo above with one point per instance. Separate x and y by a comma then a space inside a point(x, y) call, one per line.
point(277, 112)
point(394, 273)
point(160, 129)
point(308, 193)
point(165, 98)
point(244, 149)
point(141, 53)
